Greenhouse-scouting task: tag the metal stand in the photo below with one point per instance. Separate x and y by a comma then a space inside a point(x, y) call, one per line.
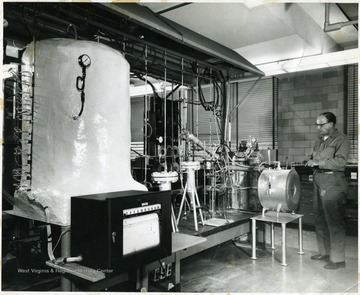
point(66, 284)
point(190, 188)
point(283, 219)
point(165, 179)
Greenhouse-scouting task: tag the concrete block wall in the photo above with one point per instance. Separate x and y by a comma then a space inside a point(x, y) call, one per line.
point(302, 97)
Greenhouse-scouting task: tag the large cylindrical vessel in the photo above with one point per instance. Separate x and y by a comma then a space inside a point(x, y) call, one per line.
point(279, 188)
point(76, 156)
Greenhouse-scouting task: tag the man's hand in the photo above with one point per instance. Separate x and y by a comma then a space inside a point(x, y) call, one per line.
point(312, 163)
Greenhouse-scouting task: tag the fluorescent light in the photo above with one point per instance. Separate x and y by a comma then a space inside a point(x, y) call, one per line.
point(306, 63)
point(147, 90)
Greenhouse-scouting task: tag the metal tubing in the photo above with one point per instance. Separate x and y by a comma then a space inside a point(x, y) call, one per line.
point(253, 245)
point(198, 204)
point(335, 26)
point(327, 14)
point(272, 236)
point(173, 218)
point(173, 222)
point(165, 119)
point(66, 284)
point(193, 201)
point(300, 238)
point(283, 244)
point(182, 203)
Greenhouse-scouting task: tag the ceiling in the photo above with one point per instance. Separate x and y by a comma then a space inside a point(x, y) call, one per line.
point(248, 36)
point(276, 37)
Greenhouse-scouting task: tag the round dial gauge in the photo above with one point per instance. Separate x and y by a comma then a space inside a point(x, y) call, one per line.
point(84, 60)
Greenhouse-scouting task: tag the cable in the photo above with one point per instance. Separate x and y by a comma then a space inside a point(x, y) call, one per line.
point(49, 237)
point(61, 235)
point(152, 86)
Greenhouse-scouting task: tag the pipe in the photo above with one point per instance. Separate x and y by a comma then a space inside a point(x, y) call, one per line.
point(272, 236)
point(165, 112)
point(283, 244)
point(198, 142)
point(300, 237)
point(253, 239)
point(335, 26)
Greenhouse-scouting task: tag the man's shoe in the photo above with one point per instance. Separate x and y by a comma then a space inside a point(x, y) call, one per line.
point(335, 265)
point(320, 257)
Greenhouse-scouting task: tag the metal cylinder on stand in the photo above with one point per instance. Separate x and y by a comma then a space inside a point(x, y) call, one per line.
point(279, 189)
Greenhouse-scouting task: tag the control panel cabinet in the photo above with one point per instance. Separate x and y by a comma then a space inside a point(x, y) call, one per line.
point(121, 230)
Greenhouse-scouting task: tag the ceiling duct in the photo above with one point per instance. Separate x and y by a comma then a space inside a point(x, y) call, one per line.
point(217, 53)
point(149, 41)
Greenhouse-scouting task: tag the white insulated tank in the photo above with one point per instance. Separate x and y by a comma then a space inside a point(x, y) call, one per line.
point(76, 157)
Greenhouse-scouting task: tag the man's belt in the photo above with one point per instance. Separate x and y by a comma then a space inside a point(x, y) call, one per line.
point(327, 171)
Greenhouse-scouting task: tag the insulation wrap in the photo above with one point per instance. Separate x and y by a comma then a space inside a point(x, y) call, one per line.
point(75, 157)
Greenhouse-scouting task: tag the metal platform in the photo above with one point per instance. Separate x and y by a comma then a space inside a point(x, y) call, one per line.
point(184, 244)
point(237, 224)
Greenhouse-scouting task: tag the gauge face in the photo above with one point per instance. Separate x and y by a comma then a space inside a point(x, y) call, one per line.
point(84, 60)
point(160, 139)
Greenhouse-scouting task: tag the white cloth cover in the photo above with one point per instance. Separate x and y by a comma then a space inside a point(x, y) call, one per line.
point(76, 157)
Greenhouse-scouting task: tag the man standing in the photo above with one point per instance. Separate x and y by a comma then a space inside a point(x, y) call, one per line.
point(329, 158)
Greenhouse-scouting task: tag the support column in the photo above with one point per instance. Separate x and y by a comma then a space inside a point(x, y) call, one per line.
point(66, 284)
point(253, 232)
point(300, 238)
point(283, 244)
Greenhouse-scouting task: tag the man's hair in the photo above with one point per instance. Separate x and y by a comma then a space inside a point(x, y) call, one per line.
point(329, 116)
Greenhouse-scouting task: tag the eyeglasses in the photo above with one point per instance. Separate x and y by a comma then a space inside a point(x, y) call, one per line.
point(320, 125)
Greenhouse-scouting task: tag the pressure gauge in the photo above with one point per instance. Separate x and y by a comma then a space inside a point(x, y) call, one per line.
point(84, 60)
point(160, 139)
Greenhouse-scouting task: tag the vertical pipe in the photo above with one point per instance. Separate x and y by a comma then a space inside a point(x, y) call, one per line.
point(165, 147)
point(205, 188)
point(253, 232)
point(229, 115)
point(16, 90)
point(199, 206)
point(283, 244)
point(272, 236)
point(274, 111)
point(172, 116)
point(182, 203)
point(184, 112)
point(32, 110)
point(300, 237)
point(173, 218)
point(327, 15)
point(213, 192)
point(237, 115)
point(191, 190)
point(145, 119)
point(197, 109)
point(65, 252)
point(192, 119)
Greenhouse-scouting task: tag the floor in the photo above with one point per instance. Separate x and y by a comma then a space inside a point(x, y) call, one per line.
point(228, 268)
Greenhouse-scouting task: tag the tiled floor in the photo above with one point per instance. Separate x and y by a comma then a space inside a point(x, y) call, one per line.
point(228, 268)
